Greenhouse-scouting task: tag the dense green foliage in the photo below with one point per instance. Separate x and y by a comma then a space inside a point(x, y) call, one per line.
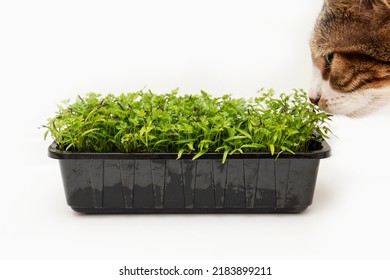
point(196, 124)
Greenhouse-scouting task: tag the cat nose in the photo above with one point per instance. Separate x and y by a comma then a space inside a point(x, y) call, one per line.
point(314, 100)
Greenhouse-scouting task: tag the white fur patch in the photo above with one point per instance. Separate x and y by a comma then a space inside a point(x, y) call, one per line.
point(354, 104)
point(316, 82)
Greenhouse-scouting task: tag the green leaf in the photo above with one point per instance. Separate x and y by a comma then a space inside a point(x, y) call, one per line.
point(247, 135)
point(284, 149)
point(45, 135)
point(190, 146)
point(88, 131)
point(180, 153)
point(254, 146)
point(235, 138)
point(225, 154)
point(237, 150)
point(199, 154)
point(272, 149)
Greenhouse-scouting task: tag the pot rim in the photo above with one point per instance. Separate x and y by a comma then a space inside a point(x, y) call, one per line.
point(319, 150)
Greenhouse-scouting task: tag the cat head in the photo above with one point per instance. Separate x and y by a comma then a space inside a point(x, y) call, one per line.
point(350, 48)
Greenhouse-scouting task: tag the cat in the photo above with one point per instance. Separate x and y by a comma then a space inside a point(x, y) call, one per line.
point(350, 48)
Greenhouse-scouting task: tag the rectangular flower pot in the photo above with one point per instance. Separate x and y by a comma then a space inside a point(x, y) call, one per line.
point(159, 183)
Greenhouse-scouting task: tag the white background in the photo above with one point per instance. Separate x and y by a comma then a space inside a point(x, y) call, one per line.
point(52, 50)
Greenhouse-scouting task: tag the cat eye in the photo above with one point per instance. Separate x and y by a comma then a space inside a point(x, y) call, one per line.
point(328, 60)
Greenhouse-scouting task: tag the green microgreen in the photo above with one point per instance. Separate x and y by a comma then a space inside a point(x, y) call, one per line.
point(193, 124)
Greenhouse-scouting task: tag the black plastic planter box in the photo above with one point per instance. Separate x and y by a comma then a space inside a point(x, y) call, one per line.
point(158, 183)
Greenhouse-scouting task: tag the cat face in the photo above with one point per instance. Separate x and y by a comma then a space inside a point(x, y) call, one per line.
point(351, 57)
